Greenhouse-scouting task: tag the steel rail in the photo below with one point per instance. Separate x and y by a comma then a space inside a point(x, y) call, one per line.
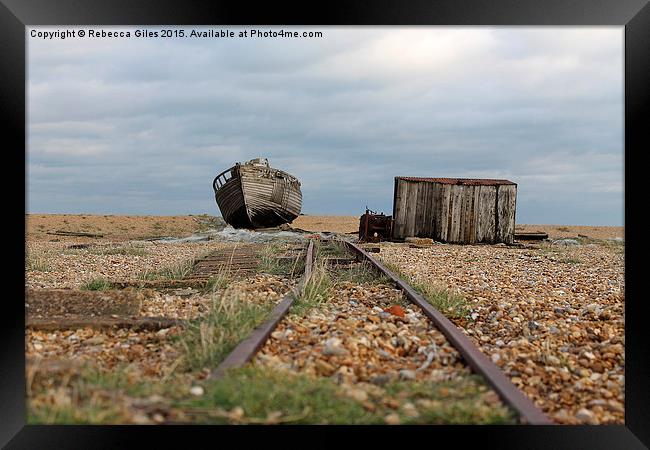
point(246, 349)
point(476, 359)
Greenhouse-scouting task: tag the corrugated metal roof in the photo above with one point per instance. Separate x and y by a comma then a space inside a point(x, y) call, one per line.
point(462, 181)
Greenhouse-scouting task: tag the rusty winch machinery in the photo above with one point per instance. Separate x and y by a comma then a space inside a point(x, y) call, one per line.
point(375, 227)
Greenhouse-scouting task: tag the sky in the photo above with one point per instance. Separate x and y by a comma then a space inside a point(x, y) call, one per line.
point(142, 125)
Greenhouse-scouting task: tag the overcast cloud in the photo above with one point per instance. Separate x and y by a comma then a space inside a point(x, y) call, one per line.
point(141, 126)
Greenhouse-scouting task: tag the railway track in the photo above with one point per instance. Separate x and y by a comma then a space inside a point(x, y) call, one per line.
point(243, 260)
point(245, 351)
point(247, 348)
point(481, 364)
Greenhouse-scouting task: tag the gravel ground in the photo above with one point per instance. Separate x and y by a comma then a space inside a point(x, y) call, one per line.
point(145, 353)
point(56, 265)
point(551, 316)
point(258, 288)
point(106, 347)
point(332, 224)
point(365, 336)
point(111, 226)
point(571, 231)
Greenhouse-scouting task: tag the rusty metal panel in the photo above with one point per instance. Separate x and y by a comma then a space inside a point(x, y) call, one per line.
point(460, 181)
point(375, 227)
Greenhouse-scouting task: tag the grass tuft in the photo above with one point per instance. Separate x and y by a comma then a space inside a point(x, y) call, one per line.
point(449, 303)
point(263, 393)
point(175, 272)
point(270, 396)
point(360, 273)
point(97, 284)
point(37, 261)
point(272, 265)
point(207, 341)
point(315, 292)
point(330, 248)
point(218, 282)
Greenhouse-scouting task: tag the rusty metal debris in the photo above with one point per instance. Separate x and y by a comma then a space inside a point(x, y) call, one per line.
point(460, 181)
point(531, 236)
point(374, 227)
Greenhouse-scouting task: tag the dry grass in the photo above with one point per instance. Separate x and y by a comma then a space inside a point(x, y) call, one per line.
point(97, 284)
point(315, 292)
point(208, 341)
point(271, 264)
point(175, 272)
point(37, 260)
point(447, 302)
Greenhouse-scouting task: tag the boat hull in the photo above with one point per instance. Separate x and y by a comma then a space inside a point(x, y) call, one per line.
point(258, 197)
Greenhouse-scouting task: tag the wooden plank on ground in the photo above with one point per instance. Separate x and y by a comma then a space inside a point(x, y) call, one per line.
point(75, 234)
point(73, 323)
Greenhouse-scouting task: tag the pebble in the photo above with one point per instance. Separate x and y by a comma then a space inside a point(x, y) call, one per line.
point(392, 419)
point(357, 394)
point(586, 416)
point(334, 350)
point(197, 391)
point(95, 340)
point(380, 380)
point(410, 410)
point(406, 374)
point(565, 242)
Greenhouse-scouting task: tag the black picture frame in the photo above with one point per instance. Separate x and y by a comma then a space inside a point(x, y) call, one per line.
point(16, 15)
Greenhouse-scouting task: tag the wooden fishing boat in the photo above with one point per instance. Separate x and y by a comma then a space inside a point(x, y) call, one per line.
point(255, 195)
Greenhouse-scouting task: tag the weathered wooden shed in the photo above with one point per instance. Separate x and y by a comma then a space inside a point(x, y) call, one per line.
point(457, 210)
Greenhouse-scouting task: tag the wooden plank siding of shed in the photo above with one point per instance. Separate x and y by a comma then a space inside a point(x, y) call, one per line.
point(411, 207)
point(506, 214)
point(455, 210)
point(423, 208)
point(455, 213)
point(475, 212)
point(486, 214)
point(444, 194)
point(399, 219)
point(428, 206)
point(467, 215)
